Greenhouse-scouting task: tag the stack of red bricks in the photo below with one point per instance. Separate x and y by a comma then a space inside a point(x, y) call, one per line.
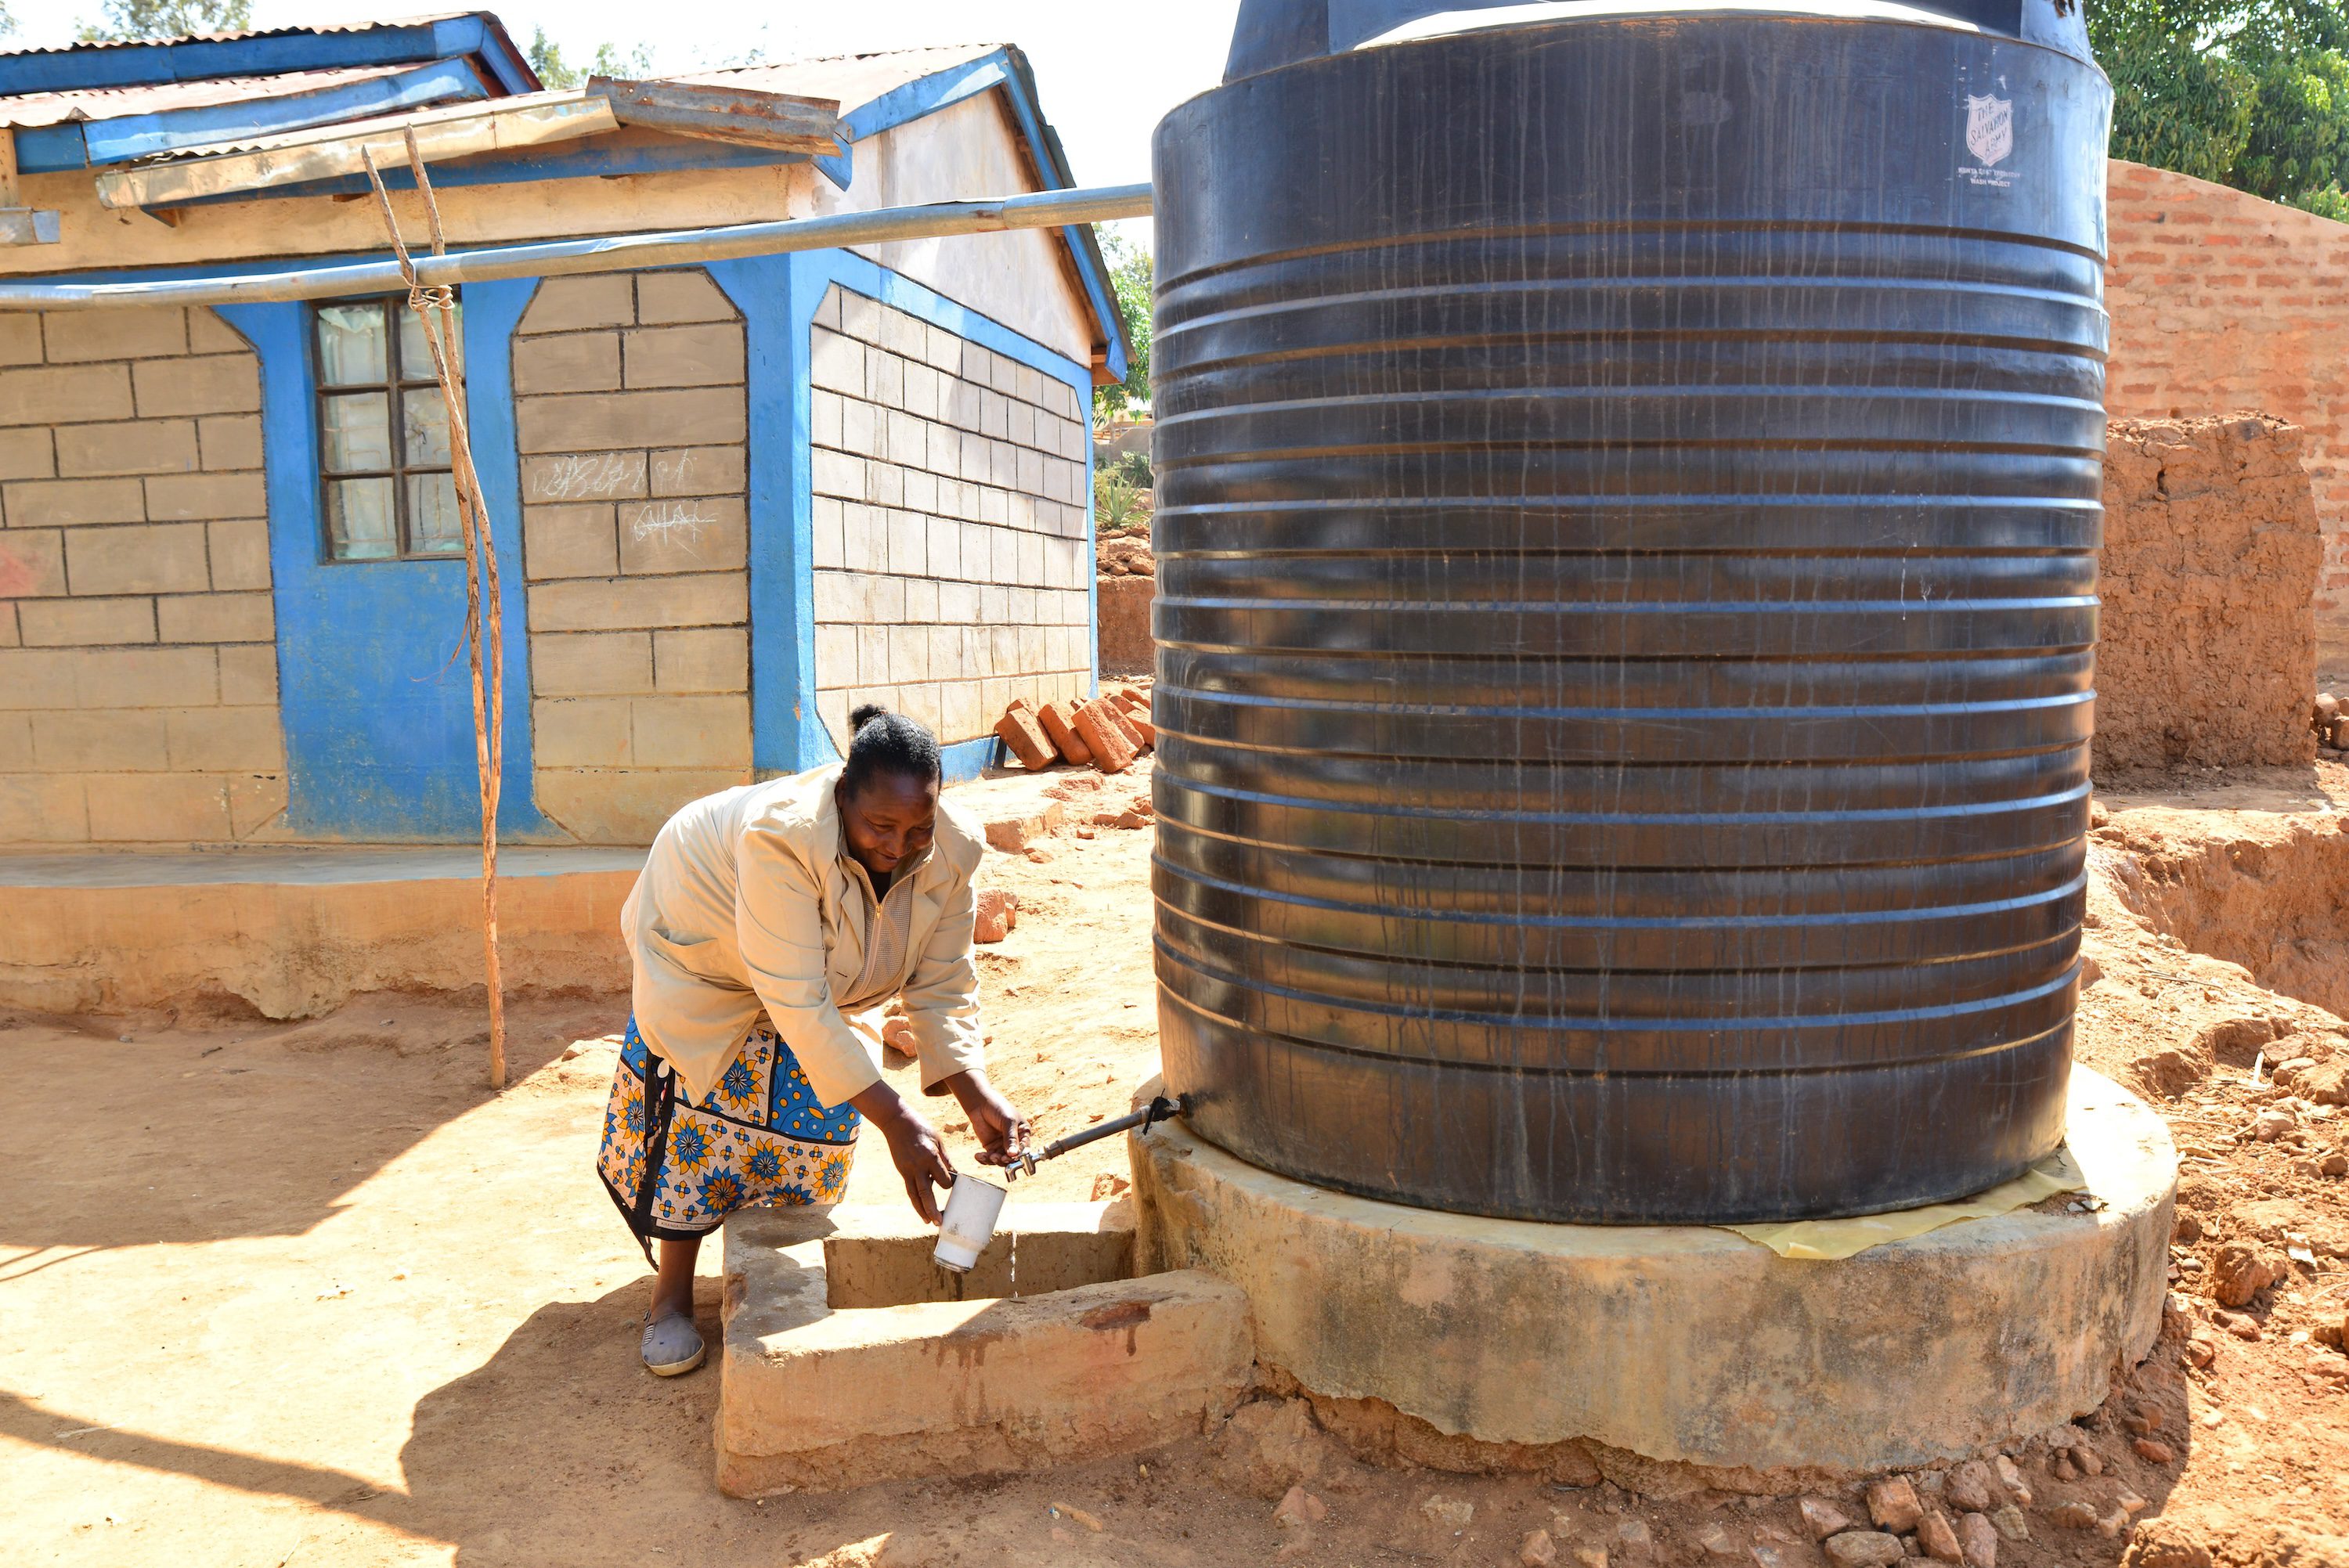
point(1107, 732)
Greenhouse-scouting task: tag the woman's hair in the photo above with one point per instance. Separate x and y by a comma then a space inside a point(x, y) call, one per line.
point(889, 743)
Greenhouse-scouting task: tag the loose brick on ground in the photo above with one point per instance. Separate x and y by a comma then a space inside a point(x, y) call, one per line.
point(998, 913)
point(1026, 738)
point(1125, 726)
point(1054, 716)
point(1112, 753)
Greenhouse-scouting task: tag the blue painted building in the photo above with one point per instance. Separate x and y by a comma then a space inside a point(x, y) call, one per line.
point(731, 500)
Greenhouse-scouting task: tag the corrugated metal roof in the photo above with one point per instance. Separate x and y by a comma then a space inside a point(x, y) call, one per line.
point(367, 127)
point(375, 25)
point(117, 103)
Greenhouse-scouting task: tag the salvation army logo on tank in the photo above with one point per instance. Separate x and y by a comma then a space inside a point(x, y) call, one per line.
point(1990, 137)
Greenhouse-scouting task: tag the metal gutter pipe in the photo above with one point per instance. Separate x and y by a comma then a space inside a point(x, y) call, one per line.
point(886, 225)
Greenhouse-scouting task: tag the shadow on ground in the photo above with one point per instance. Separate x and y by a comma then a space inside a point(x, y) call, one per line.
point(204, 1132)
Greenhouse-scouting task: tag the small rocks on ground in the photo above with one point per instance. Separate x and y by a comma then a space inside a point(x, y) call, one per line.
point(1822, 1518)
point(1977, 1539)
point(1892, 1504)
point(997, 913)
point(1298, 1507)
point(2238, 1273)
point(2072, 1516)
point(2153, 1450)
point(1968, 1488)
point(1539, 1550)
point(1450, 1513)
point(1634, 1540)
point(2009, 1521)
point(2009, 1476)
point(1939, 1537)
point(1864, 1548)
point(1076, 1516)
point(1590, 1556)
point(1766, 1557)
point(1717, 1542)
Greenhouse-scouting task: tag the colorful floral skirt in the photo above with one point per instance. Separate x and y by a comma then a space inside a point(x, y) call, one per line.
point(677, 1168)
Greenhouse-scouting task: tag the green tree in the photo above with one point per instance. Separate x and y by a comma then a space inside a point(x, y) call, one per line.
point(166, 19)
point(2248, 93)
point(610, 60)
point(1131, 274)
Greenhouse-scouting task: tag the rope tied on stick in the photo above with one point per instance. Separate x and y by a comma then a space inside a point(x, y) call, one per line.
point(436, 312)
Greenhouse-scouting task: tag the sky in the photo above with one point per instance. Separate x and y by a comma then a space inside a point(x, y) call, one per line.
point(1106, 73)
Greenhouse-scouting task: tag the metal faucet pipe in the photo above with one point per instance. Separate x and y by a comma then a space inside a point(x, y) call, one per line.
point(886, 225)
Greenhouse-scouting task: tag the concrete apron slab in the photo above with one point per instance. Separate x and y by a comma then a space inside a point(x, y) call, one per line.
point(1469, 1343)
point(296, 932)
point(850, 1358)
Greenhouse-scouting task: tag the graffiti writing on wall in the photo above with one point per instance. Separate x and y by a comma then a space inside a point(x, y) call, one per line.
point(587, 476)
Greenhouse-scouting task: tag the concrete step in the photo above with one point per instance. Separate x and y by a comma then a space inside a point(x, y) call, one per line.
point(849, 1361)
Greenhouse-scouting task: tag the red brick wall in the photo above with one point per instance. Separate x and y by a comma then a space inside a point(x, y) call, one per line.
point(2223, 302)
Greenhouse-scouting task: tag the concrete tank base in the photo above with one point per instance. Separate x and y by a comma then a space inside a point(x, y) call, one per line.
point(1468, 1343)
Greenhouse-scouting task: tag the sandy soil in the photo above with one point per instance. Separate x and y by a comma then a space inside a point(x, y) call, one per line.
point(308, 1294)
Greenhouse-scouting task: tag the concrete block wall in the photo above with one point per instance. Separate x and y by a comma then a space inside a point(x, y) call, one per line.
point(953, 561)
point(2222, 301)
point(632, 425)
point(138, 656)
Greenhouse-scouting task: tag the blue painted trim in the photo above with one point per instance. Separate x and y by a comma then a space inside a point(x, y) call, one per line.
point(779, 297)
point(627, 152)
point(767, 290)
point(142, 135)
point(498, 52)
point(1007, 69)
point(967, 759)
point(47, 149)
point(910, 102)
point(1052, 163)
point(324, 800)
point(493, 311)
point(268, 54)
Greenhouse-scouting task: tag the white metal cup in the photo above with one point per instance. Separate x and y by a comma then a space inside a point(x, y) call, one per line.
point(968, 1223)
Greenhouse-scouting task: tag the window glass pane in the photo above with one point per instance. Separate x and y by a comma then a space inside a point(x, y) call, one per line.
point(415, 354)
point(432, 525)
point(357, 431)
point(359, 524)
point(351, 346)
point(425, 416)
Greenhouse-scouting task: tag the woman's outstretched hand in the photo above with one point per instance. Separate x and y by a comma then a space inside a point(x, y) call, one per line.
point(914, 1145)
point(1001, 1131)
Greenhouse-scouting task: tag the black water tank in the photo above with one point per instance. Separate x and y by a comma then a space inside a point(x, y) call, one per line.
point(1628, 505)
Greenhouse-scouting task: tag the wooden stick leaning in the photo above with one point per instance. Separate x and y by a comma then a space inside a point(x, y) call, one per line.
point(435, 311)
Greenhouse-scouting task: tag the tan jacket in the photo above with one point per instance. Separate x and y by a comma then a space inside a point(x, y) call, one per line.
point(743, 908)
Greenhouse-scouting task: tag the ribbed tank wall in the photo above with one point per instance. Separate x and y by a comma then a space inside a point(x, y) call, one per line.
point(1628, 505)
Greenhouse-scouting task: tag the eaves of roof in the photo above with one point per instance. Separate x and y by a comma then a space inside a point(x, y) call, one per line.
point(147, 62)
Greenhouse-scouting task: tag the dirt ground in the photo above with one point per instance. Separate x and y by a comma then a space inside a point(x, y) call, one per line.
point(308, 1294)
